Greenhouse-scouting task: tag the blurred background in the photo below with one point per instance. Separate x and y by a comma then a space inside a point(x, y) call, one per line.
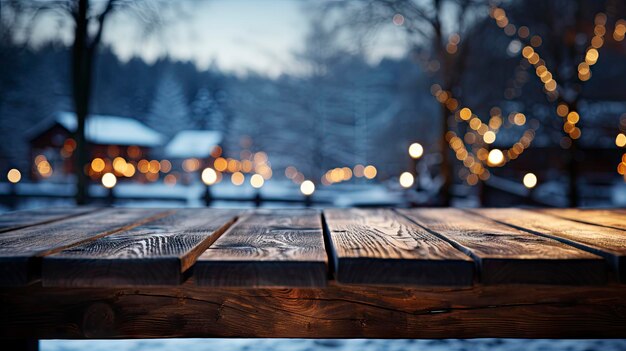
point(312, 103)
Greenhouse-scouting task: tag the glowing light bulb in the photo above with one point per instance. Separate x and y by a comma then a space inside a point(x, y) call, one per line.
point(406, 180)
point(257, 181)
point(109, 180)
point(14, 176)
point(416, 150)
point(495, 158)
point(209, 176)
point(530, 180)
point(307, 188)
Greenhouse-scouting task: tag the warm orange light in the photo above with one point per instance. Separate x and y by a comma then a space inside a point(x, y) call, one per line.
point(489, 137)
point(97, 164)
point(14, 175)
point(237, 178)
point(370, 172)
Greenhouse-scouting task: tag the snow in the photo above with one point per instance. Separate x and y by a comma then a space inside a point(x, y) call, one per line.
point(111, 130)
point(193, 143)
point(337, 345)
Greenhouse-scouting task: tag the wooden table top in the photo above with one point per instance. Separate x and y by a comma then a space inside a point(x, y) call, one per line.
point(336, 273)
point(108, 247)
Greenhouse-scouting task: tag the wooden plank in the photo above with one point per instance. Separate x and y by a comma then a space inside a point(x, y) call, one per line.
point(378, 246)
point(156, 253)
point(336, 311)
point(267, 248)
point(609, 243)
point(603, 217)
point(26, 218)
point(508, 255)
point(21, 250)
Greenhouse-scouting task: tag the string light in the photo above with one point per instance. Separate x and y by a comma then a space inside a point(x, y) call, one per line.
point(530, 180)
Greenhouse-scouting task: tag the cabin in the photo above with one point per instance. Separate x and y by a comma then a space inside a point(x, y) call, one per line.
point(52, 144)
point(192, 150)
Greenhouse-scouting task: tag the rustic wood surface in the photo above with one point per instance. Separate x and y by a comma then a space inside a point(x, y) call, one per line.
point(336, 311)
point(267, 248)
point(400, 274)
point(22, 219)
point(379, 246)
point(155, 253)
point(21, 249)
point(604, 241)
point(607, 218)
point(508, 255)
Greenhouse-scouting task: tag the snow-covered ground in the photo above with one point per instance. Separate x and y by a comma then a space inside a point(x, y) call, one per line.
point(337, 345)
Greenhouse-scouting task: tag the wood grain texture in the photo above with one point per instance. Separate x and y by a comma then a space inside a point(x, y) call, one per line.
point(336, 311)
point(508, 255)
point(21, 250)
point(607, 242)
point(155, 253)
point(380, 247)
point(267, 248)
point(26, 218)
point(608, 218)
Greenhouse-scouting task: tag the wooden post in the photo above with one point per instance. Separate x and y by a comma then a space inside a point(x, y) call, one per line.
point(21, 345)
point(207, 196)
point(257, 199)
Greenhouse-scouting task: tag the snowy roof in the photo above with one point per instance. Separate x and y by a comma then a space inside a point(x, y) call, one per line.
point(108, 130)
point(193, 143)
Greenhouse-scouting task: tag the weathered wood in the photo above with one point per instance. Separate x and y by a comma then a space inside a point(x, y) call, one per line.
point(267, 248)
point(156, 253)
point(607, 242)
point(21, 250)
point(381, 247)
point(607, 218)
point(336, 311)
point(508, 255)
point(21, 345)
point(22, 219)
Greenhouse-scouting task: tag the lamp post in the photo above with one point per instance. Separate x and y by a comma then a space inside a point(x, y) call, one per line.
point(416, 150)
point(257, 182)
point(14, 176)
point(109, 180)
point(209, 177)
point(530, 181)
point(307, 188)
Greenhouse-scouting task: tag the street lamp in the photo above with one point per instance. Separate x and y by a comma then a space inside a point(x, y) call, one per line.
point(530, 180)
point(416, 150)
point(14, 176)
point(109, 180)
point(257, 182)
point(209, 177)
point(406, 180)
point(307, 188)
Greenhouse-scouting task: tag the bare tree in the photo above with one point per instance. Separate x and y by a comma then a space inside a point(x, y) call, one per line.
point(88, 19)
point(438, 31)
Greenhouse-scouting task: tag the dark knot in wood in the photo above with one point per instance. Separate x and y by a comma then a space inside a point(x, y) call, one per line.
point(98, 320)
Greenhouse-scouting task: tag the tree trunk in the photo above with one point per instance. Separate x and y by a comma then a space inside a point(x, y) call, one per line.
point(572, 171)
point(81, 81)
point(446, 172)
